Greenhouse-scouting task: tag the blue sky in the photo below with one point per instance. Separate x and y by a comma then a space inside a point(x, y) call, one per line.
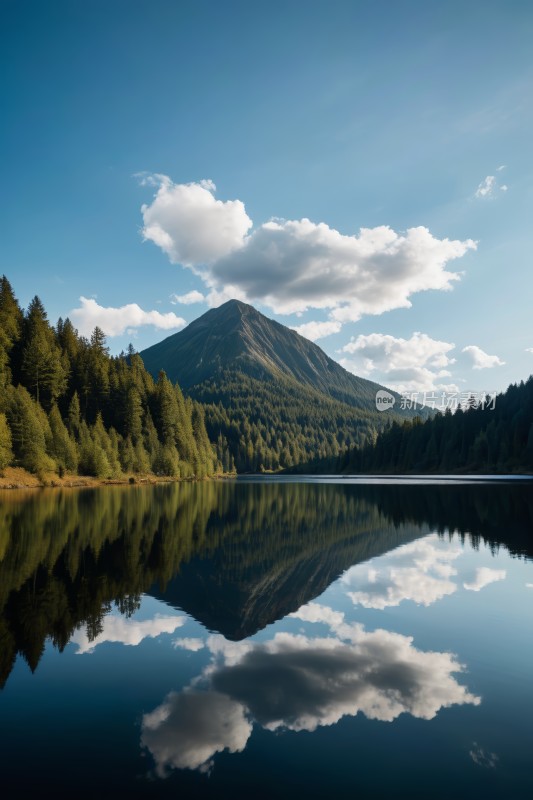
point(154, 149)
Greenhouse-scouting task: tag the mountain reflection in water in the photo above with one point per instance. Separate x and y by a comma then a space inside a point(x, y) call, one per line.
point(235, 555)
point(241, 638)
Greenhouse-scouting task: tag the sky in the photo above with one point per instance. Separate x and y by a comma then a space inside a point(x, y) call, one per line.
point(359, 171)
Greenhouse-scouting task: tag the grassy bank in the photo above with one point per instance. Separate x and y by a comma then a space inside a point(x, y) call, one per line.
point(18, 478)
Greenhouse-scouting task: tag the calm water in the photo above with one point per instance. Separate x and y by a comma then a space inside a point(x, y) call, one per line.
point(268, 638)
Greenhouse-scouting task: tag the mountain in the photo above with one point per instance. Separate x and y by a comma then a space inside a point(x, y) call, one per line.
point(272, 398)
point(238, 337)
point(240, 601)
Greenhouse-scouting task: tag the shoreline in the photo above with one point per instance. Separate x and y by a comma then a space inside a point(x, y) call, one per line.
point(19, 478)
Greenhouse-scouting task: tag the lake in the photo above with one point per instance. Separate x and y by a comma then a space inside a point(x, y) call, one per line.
point(268, 637)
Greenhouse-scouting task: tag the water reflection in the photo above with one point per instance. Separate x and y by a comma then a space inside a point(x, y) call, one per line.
point(298, 682)
point(235, 556)
point(483, 576)
point(421, 571)
point(483, 758)
point(399, 596)
point(126, 631)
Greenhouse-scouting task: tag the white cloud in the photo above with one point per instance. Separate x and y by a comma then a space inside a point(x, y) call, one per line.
point(481, 360)
point(484, 576)
point(188, 729)
point(295, 265)
point(486, 187)
point(127, 631)
point(189, 224)
point(292, 266)
point(216, 297)
point(187, 299)
point(420, 572)
point(529, 349)
point(489, 185)
point(116, 321)
point(408, 365)
point(317, 330)
point(294, 682)
point(193, 645)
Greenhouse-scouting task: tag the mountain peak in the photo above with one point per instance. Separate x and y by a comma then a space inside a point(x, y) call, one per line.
point(272, 398)
point(237, 337)
point(234, 303)
point(233, 307)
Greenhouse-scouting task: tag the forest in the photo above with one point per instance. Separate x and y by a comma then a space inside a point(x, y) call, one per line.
point(494, 437)
point(273, 424)
point(68, 407)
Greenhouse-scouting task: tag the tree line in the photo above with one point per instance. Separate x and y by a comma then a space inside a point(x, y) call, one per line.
point(276, 423)
point(67, 406)
point(479, 437)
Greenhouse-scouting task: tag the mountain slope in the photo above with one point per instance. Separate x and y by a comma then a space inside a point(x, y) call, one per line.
point(272, 398)
point(238, 337)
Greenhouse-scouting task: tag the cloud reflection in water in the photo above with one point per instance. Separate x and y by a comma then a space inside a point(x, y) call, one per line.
point(127, 631)
point(298, 682)
point(421, 571)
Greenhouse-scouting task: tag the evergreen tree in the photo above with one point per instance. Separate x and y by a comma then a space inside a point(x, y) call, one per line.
point(6, 451)
point(62, 448)
point(127, 455)
point(67, 338)
point(73, 418)
point(167, 411)
point(133, 414)
point(29, 431)
point(167, 461)
point(10, 327)
point(109, 443)
point(93, 457)
point(43, 370)
point(150, 439)
point(141, 463)
point(98, 367)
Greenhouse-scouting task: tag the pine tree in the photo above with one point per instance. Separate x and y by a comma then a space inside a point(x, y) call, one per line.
point(97, 369)
point(6, 450)
point(133, 415)
point(150, 439)
point(166, 410)
point(62, 448)
point(42, 367)
point(68, 339)
point(10, 327)
point(73, 417)
point(141, 463)
point(127, 455)
point(167, 461)
point(30, 431)
point(109, 443)
point(93, 457)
